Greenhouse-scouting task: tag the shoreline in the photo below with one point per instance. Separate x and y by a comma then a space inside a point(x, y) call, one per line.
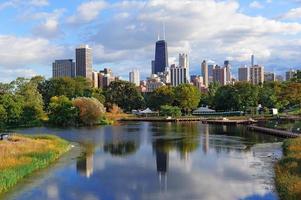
point(23, 154)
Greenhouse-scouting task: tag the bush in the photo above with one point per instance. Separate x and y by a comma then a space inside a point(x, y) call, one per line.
point(173, 111)
point(91, 111)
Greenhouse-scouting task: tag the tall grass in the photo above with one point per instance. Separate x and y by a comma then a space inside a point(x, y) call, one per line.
point(22, 155)
point(288, 171)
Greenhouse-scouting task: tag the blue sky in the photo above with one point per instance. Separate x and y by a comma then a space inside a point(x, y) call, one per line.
point(122, 34)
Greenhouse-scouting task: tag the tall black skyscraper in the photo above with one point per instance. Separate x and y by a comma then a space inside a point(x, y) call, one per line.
point(161, 56)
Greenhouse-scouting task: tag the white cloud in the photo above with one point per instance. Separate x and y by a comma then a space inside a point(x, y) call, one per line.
point(20, 53)
point(294, 13)
point(87, 12)
point(256, 4)
point(16, 3)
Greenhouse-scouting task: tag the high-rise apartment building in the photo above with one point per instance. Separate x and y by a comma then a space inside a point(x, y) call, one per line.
point(205, 73)
point(269, 77)
point(183, 60)
point(63, 68)
point(244, 74)
point(84, 61)
point(290, 74)
point(95, 79)
point(105, 77)
point(257, 74)
point(252, 60)
point(180, 74)
point(220, 75)
point(134, 77)
point(161, 57)
point(227, 66)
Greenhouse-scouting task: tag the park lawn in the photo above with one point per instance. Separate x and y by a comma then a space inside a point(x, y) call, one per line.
point(22, 155)
point(288, 171)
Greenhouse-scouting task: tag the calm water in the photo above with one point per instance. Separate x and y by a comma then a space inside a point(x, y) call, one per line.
point(288, 125)
point(156, 161)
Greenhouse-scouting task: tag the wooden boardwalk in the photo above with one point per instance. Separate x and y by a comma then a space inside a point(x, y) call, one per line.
point(276, 132)
point(191, 119)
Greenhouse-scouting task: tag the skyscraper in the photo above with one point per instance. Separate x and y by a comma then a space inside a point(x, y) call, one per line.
point(257, 74)
point(183, 60)
point(134, 77)
point(180, 74)
point(220, 75)
point(84, 61)
point(244, 74)
point(63, 68)
point(161, 57)
point(252, 60)
point(205, 73)
point(228, 71)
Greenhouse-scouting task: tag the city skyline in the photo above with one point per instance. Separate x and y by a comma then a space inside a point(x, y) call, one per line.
point(122, 34)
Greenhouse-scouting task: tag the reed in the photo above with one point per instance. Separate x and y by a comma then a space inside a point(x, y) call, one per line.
point(288, 171)
point(22, 155)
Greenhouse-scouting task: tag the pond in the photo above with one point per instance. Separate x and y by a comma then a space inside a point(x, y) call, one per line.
point(156, 161)
point(287, 125)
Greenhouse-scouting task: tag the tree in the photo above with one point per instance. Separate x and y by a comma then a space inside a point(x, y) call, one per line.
point(208, 98)
point(62, 112)
point(269, 95)
point(291, 93)
point(247, 95)
point(13, 105)
point(173, 111)
point(187, 97)
point(90, 110)
point(124, 94)
point(161, 96)
point(226, 98)
point(65, 86)
point(3, 116)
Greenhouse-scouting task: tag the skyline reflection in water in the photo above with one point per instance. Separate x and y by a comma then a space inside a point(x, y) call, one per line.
point(157, 161)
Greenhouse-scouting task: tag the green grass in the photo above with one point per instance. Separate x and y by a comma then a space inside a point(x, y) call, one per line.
point(288, 171)
point(22, 155)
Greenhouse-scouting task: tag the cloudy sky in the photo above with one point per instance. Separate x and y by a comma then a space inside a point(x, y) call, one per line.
point(122, 33)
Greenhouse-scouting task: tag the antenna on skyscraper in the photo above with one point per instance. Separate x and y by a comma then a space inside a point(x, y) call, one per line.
point(164, 33)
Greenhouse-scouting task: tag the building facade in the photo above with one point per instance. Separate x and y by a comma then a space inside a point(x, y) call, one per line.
point(257, 74)
point(95, 79)
point(63, 68)
point(84, 61)
point(161, 57)
point(153, 83)
point(134, 77)
point(105, 77)
point(220, 75)
point(180, 74)
point(244, 74)
point(205, 73)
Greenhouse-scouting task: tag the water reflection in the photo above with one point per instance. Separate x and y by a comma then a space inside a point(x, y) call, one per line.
point(158, 161)
point(84, 163)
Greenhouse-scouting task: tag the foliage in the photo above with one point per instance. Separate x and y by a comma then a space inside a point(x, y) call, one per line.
point(288, 171)
point(65, 86)
point(208, 98)
point(125, 95)
point(187, 97)
point(62, 112)
point(13, 106)
point(247, 94)
point(90, 110)
point(161, 96)
point(172, 111)
point(22, 155)
point(226, 98)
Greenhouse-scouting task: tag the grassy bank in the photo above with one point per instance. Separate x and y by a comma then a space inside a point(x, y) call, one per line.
point(288, 171)
point(22, 155)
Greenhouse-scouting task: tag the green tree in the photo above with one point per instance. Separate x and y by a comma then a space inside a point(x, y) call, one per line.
point(13, 105)
point(226, 98)
point(247, 95)
point(90, 110)
point(161, 96)
point(208, 98)
point(269, 95)
point(124, 94)
point(62, 112)
point(187, 97)
point(3, 117)
point(173, 111)
point(65, 86)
